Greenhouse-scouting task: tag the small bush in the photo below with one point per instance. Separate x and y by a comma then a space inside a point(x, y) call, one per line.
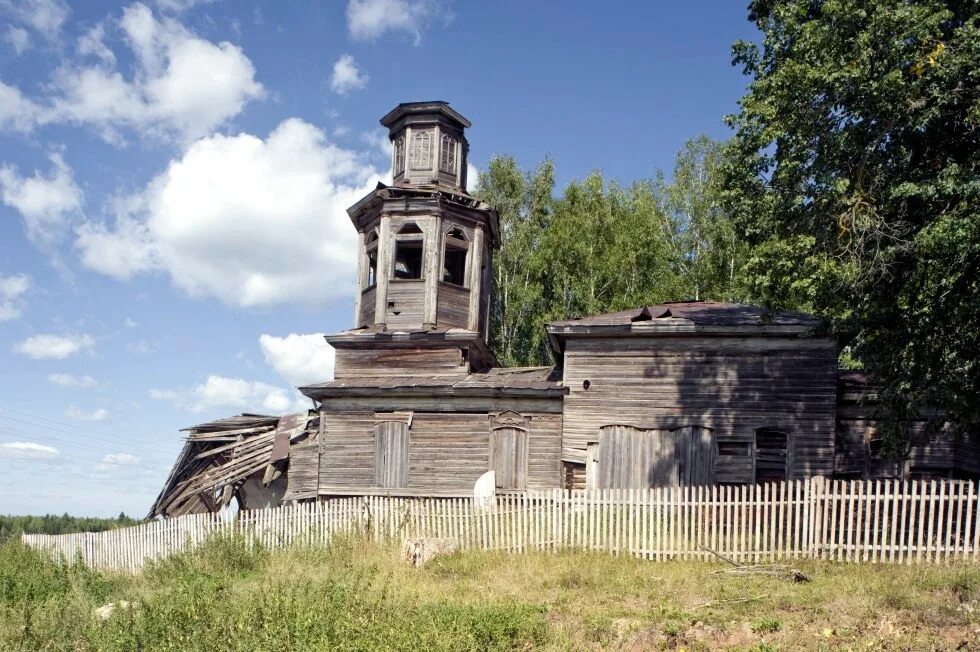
point(766, 626)
point(28, 576)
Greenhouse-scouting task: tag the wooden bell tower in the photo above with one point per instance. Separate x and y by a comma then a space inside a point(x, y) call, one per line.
point(424, 245)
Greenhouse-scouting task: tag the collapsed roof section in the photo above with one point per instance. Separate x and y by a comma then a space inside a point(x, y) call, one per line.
point(219, 457)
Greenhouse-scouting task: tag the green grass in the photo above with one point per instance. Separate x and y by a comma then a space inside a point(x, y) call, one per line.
point(355, 595)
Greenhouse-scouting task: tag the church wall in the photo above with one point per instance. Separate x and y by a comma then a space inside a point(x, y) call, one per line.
point(401, 361)
point(732, 385)
point(448, 452)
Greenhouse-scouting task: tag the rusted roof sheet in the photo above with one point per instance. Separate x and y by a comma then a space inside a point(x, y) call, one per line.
point(520, 380)
point(701, 313)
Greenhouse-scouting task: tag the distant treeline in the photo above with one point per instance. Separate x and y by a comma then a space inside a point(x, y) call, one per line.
point(13, 526)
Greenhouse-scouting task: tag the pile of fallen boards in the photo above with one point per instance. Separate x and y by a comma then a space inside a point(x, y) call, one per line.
point(219, 456)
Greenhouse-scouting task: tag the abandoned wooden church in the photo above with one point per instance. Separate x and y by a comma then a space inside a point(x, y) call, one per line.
point(681, 393)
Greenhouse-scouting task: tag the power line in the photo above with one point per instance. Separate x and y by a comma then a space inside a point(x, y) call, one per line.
point(80, 445)
point(110, 438)
point(83, 458)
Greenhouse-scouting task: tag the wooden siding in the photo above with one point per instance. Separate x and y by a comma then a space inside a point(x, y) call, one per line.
point(303, 475)
point(365, 315)
point(940, 455)
point(401, 361)
point(731, 385)
point(447, 452)
point(405, 297)
point(631, 458)
point(454, 305)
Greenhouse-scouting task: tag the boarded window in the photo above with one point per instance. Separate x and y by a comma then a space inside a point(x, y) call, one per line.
point(633, 458)
point(391, 454)
point(508, 457)
point(770, 454)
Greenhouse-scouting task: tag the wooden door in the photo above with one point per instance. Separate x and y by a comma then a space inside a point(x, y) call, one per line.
point(391, 454)
point(770, 454)
point(508, 458)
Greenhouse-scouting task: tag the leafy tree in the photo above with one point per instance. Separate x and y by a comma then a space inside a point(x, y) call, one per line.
point(524, 203)
point(853, 174)
point(601, 246)
point(704, 242)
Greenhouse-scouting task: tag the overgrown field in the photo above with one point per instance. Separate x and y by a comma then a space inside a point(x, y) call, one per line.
point(355, 595)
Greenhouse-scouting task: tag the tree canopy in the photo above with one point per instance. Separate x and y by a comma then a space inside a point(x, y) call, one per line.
point(853, 176)
point(600, 246)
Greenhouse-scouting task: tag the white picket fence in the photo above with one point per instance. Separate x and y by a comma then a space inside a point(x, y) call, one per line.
point(849, 521)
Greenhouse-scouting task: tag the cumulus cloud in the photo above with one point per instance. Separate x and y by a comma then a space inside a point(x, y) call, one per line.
point(53, 347)
point(74, 382)
point(300, 359)
point(43, 16)
point(46, 202)
point(182, 86)
point(12, 289)
point(28, 450)
point(220, 391)
point(101, 414)
point(251, 222)
point(346, 76)
point(369, 19)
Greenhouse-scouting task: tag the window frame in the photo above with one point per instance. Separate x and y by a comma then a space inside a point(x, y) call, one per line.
point(421, 144)
point(399, 156)
point(447, 154)
point(401, 238)
point(458, 244)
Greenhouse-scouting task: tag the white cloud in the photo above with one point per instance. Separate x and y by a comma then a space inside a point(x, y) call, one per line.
point(92, 44)
point(18, 38)
point(369, 19)
point(113, 461)
point(220, 391)
point(29, 450)
point(472, 177)
point(346, 76)
point(378, 139)
point(46, 202)
point(43, 16)
point(249, 221)
point(12, 288)
point(100, 414)
point(182, 86)
point(16, 111)
point(177, 6)
point(300, 359)
point(130, 323)
point(76, 382)
point(53, 347)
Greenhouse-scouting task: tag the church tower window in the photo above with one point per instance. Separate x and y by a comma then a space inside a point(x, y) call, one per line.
point(408, 252)
point(399, 155)
point(421, 153)
point(454, 258)
point(447, 154)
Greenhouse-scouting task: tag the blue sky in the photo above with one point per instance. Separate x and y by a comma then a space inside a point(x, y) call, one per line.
point(173, 179)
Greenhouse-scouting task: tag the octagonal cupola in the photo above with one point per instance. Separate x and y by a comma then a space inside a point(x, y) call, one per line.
point(428, 144)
